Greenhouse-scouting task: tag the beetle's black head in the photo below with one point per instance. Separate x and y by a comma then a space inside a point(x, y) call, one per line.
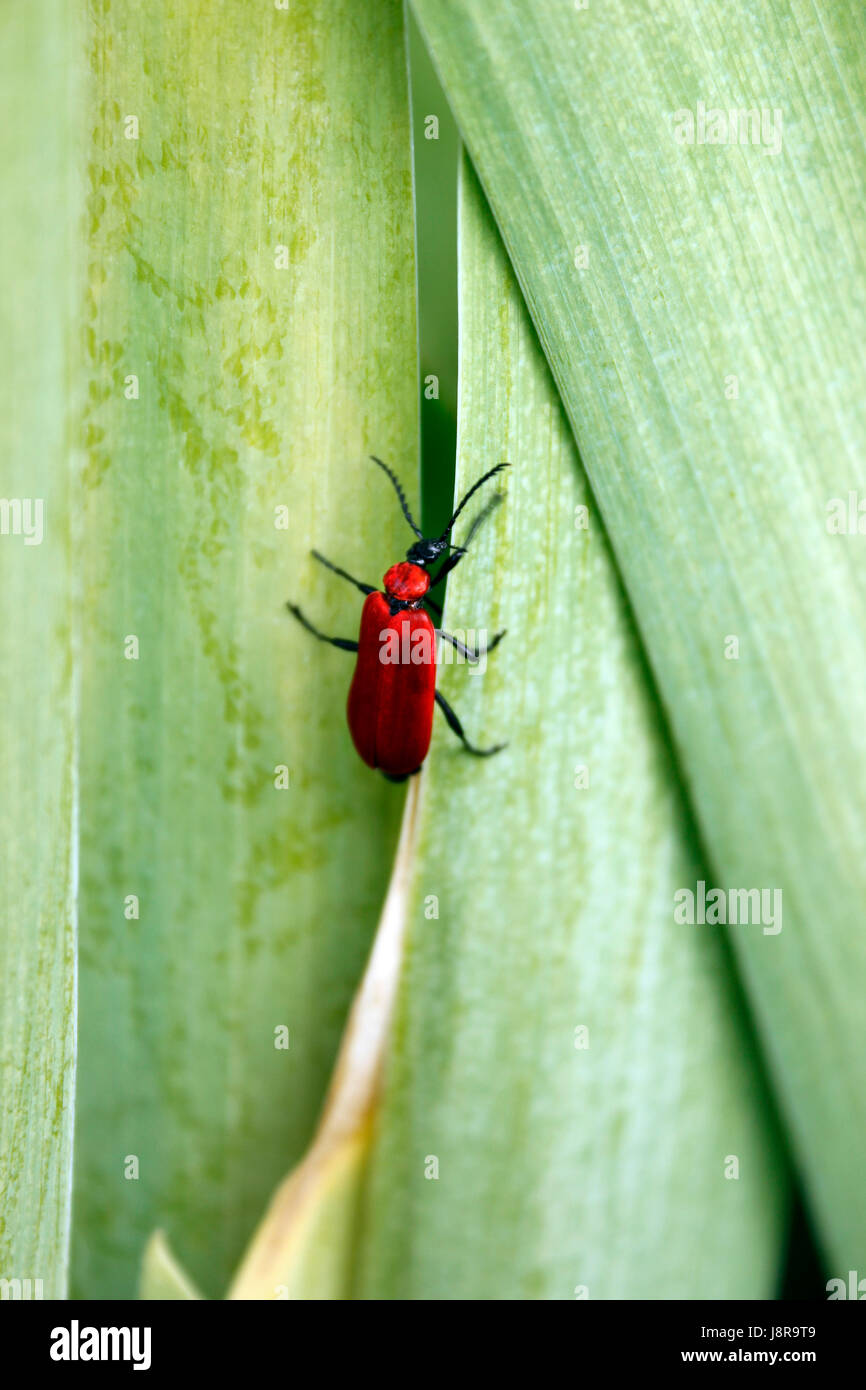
point(424, 552)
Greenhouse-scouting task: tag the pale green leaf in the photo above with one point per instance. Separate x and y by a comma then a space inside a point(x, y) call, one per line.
point(517, 1155)
point(251, 263)
point(37, 742)
point(162, 1277)
point(305, 1245)
point(702, 307)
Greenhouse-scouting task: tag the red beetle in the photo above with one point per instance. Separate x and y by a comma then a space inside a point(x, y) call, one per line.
point(391, 698)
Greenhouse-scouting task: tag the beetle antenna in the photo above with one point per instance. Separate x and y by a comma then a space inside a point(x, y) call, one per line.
point(400, 493)
point(473, 489)
point(495, 501)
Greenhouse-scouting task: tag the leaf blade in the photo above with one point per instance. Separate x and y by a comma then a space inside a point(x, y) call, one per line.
point(540, 907)
point(162, 1277)
point(303, 1247)
point(251, 263)
point(707, 263)
point(37, 747)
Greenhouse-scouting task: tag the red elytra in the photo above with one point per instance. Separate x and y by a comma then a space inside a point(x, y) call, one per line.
point(393, 690)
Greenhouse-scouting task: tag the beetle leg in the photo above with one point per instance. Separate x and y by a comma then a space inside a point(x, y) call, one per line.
point(465, 651)
point(437, 607)
point(456, 727)
point(365, 588)
point(447, 566)
point(344, 643)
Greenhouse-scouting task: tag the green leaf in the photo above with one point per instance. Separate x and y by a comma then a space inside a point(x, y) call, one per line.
point(702, 309)
point(570, 1079)
point(435, 146)
point(37, 741)
point(305, 1244)
point(251, 264)
point(162, 1278)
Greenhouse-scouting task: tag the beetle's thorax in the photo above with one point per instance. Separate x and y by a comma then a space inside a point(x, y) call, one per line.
point(406, 582)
